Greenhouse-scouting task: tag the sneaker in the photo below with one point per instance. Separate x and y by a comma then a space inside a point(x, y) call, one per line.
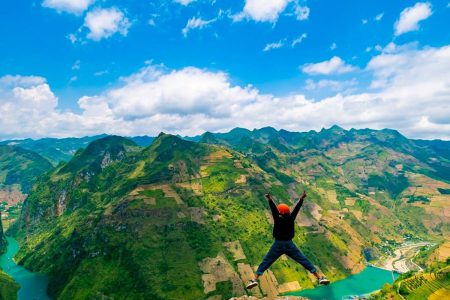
point(251, 284)
point(323, 280)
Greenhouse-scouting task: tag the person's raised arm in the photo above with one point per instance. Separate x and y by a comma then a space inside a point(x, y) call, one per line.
point(298, 205)
point(272, 205)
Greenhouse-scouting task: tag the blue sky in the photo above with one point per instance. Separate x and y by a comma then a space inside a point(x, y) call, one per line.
point(85, 56)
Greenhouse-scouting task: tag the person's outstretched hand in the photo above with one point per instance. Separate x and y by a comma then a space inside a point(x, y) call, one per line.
point(303, 196)
point(268, 197)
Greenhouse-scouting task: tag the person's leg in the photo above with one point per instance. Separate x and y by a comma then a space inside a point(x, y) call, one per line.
point(295, 253)
point(274, 253)
point(298, 256)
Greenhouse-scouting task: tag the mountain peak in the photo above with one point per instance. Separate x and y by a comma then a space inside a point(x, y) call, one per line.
point(336, 128)
point(168, 143)
point(239, 130)
point(267, 129)
point(99, 153)
point(209, 138)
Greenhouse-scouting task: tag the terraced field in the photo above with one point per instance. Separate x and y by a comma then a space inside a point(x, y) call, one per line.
point(426, 285)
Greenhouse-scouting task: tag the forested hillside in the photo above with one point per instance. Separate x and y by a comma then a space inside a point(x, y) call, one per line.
point(189, 218)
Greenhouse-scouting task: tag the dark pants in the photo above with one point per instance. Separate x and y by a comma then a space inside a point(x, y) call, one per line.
point(284, 247)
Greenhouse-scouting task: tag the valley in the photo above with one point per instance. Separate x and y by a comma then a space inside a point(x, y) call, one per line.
point(403, 262)
point(32, 285)
point(122, 209)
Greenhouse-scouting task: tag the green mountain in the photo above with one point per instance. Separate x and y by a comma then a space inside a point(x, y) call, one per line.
point(188, 219)
point(20, 167)
point(58, 150)
point(55, 150)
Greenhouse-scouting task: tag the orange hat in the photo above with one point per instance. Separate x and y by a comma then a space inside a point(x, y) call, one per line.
point(283, 209)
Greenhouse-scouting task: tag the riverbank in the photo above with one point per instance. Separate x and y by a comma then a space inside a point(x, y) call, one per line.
point(402, 261)
point(8, 287)
point(32, 285)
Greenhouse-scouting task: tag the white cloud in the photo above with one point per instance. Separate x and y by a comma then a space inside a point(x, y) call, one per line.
point(333, 46)
point(71, 6)
point(411, 16)
point(332, 85)
point(24, 81)
point(184, 2)
point(302, 12)
point(333, 66)
point(196, 23)
point(104, 23)
point(24, 101)
point(263, 10)
point(299, 39)
point(364, 21)
point(76, 65)
point(272, 46)
point(101, 73)
point(72, 38)
point(412, 96)
point(270, 10)
point(379, 17)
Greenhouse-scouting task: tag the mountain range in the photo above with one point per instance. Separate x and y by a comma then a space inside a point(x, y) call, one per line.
point(187, 216)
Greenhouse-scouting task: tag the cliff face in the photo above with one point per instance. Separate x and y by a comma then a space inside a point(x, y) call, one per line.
point(3, 242)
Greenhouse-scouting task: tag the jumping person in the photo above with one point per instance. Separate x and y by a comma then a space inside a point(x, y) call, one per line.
point(283, 232)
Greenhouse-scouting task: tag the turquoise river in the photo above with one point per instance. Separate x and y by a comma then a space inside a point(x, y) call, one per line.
point(32, 285)
point(369, 280)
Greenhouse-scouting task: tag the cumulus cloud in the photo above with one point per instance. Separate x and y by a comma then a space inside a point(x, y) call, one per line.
point(333, 66)
point(412, 95)
point(333, 85)
point(104, 23)
point(263, 10)
point(411, 17)
point(270, 10)
point(24, 81)
point(24, 101)
point(70, 6)
point(196, 23)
